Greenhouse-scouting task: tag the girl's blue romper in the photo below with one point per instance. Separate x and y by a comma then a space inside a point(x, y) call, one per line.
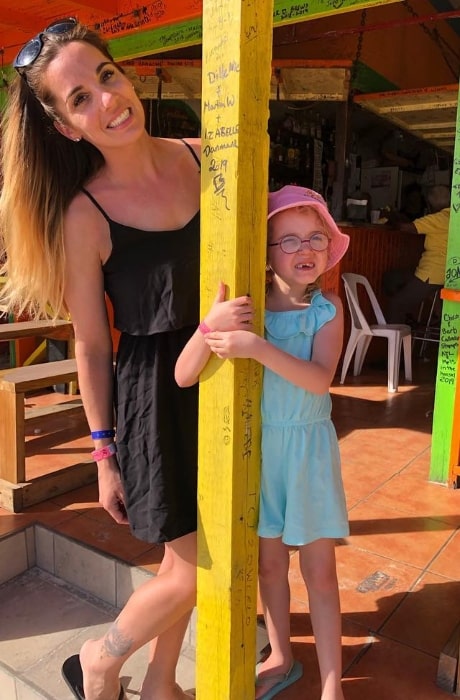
point(302, 496)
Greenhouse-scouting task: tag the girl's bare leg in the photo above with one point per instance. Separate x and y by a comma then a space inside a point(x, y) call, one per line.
point(317, 564)
point(275, 596)
point(158, 607)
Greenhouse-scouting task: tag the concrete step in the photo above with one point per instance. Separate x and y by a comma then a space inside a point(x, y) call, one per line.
point(54, 594)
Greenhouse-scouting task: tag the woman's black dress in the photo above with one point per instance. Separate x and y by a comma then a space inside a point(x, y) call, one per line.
point(152, 280)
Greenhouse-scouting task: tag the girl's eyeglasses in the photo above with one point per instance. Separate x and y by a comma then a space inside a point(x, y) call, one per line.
point(32, 50)
point(291, 243)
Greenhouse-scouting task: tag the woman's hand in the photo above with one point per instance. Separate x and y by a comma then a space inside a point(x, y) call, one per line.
point(230, 315)
point(231, 344)
point(111, 494)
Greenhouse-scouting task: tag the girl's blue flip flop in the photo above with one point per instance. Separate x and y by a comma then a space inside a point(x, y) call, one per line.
point(280, 681)
point(73, 676)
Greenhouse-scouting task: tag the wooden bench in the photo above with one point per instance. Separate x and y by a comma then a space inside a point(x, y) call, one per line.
point(15, 492)
point(59, 330)
point(20, 332)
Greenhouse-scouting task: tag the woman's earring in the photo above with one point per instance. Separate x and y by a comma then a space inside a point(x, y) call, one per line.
point(77, 139)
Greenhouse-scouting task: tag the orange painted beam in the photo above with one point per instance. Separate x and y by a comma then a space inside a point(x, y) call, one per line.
point(453, 87)
point(149, 15)
point(450, 294)
point(147, 66)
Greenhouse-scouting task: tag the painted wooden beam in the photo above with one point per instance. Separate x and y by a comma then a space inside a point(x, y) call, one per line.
point(236, 78)
point(14, 19)
point(151, 29)
point(106, 6)
point(151, 41)
point(445, 446)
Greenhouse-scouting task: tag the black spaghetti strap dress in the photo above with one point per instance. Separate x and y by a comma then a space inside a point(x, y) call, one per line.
point(152, 280)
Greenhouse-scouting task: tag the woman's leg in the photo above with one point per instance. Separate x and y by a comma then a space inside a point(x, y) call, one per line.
point(317, 564)
point(164, 654)
point(157, 606)
point(275, 596)
point(164, 651)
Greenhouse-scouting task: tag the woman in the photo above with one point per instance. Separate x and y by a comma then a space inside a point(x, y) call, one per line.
point(92, 204)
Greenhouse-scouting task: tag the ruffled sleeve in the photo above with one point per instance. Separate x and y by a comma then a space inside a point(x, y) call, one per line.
point(286, 324)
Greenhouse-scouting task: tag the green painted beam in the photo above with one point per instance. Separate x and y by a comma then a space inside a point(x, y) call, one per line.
point(151, 41)
point(445, 442)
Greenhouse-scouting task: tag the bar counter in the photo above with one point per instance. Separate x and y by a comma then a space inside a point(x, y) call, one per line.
point(373, 249)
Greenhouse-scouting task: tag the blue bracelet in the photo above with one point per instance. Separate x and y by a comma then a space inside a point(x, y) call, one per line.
point(100, 434)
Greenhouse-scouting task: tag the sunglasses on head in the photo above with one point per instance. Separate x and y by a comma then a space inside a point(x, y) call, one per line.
point(32, 50)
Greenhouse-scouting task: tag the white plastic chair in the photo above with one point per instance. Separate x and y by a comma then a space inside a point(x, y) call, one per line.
point(362, 334)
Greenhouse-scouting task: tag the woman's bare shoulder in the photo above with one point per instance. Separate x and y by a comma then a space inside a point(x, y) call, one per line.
point(176, 146)
point(85, 228)
point(80, 206)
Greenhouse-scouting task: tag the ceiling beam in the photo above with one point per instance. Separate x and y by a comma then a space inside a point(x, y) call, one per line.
point(109, 7)
point(434, 125)
point(29, 23)
point(417, 106)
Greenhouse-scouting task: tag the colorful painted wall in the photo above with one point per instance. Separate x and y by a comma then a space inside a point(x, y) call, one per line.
point(396, 56)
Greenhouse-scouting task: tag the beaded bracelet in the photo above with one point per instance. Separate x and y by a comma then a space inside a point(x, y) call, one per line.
point(101, 434)
point(104, 452)
point(204, 328)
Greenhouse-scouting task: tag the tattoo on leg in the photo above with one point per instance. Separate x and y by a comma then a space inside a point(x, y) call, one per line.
point(115, 642)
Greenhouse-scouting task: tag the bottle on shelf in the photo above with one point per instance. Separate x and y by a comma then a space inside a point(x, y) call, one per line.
point(318, 131)
point(279, 151)
point(290, 154)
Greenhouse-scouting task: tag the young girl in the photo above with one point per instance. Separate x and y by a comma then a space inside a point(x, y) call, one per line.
point(302, 500)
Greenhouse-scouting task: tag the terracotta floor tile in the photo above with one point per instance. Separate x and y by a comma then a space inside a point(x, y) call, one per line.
point(427, 615)
point(447, 563)
point(371, 587)
point(115, 540)
point(10, 522)
point(354, 642)
point(385, 452)
point(392, 671)
point(50, 514)
point(424, 498)
point(419, 467)
point(361, 479)
point(394, 533)
point(150, 559)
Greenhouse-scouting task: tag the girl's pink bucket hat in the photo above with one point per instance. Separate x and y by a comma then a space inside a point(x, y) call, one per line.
point(292, 196)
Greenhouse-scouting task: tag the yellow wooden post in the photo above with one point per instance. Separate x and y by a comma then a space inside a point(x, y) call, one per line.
point(237, 37)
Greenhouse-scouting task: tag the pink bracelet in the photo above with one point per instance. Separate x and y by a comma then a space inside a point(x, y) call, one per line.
point(204, 328)
point(104, 452)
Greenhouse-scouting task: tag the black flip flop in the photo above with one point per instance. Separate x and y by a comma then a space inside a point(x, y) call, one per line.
point(73, 676)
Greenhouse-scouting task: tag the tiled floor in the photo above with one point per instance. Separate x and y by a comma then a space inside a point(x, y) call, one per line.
point(399, 571)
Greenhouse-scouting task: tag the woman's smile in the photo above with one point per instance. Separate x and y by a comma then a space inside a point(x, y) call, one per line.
point(121, 119)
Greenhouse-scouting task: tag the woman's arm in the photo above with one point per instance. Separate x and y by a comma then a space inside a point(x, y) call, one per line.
point(223, 315)
point(315, 375)
point(84, 295)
